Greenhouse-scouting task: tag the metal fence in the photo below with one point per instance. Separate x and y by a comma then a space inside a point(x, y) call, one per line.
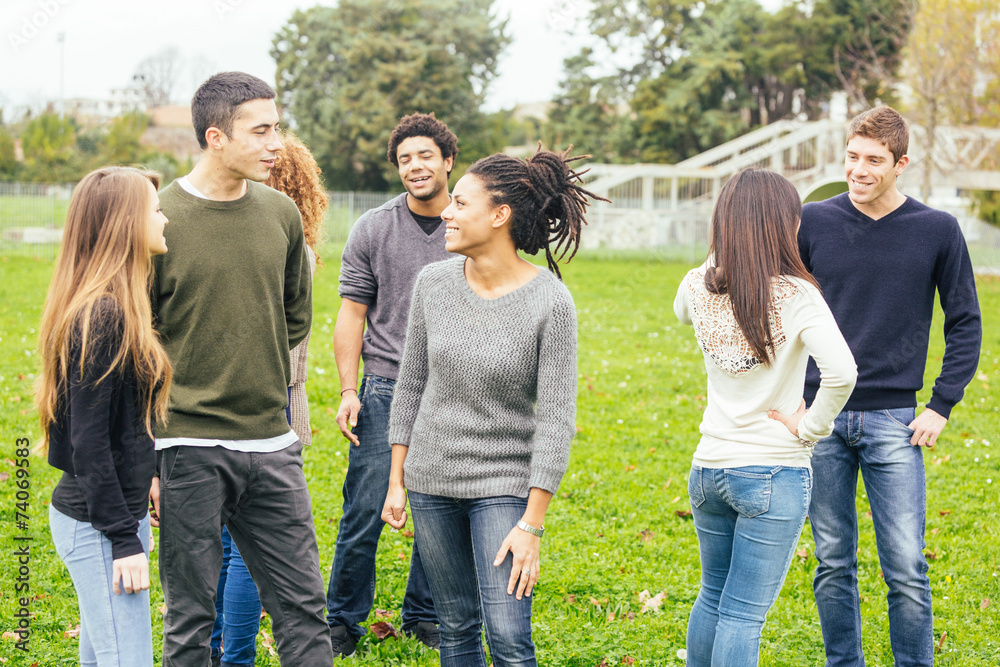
point(651, 216)
point(32, 216)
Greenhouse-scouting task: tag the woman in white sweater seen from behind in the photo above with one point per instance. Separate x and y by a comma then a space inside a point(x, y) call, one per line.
point(758, 316)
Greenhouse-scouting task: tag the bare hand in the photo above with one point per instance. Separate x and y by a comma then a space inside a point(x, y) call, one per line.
point(154, 503)
point(394, 509)
point(347, 415)
point(132, 572)
point(791, 421)
point(927, 426)
point(524, 548)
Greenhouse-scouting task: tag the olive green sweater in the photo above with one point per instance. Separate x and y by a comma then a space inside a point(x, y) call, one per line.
point(230, 298)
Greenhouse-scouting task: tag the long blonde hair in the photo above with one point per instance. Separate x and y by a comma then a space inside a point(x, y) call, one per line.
point(104, 255)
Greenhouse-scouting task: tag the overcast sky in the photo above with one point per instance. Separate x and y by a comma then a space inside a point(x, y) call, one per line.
point(105, 39)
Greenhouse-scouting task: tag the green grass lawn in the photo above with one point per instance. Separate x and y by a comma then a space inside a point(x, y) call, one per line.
point(613, 530)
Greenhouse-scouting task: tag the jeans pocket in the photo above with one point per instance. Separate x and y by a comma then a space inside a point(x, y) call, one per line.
point(695, 491)
point(906, 414)
point(381, 386)
point(63, 529)
point(749, 492)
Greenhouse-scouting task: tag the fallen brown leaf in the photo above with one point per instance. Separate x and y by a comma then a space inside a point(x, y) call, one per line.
point(803, 553)
point(407, 533)
point(611, 616)
point(944, 512)
point(940, 644)
point(570, 599)
point(646, 535)
point(930, 555)
point(934, 531)
point(267, 642)
point(684, 514)
point(628, 660)
point(9, 635)
point(383, 613)
point(72, 632)
point(629, 468)
point(651, 603)
point(652, 450)
point(163, 609)
point(984, 604)
point(675, 500)
point(383, 629)
point(4, 477)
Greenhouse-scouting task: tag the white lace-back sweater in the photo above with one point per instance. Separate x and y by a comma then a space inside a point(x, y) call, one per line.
point(736, 430)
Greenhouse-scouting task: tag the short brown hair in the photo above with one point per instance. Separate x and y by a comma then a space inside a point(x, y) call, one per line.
point(884, 125)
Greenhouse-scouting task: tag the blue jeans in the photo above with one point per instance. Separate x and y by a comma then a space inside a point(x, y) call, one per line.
point(237, 609)
point(748, 520)
point(459, 538)
point(877, 442)
point(351, 592)
point(115, 630)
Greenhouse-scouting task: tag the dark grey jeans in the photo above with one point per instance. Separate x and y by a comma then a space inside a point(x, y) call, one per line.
point(264, 502)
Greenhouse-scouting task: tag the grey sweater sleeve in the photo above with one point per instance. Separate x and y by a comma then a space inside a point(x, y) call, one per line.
point(412, 371)
point(556, 402)
point(357, 279)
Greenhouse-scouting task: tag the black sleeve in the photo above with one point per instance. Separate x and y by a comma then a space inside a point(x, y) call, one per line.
point(963, 325)
point(91, 397)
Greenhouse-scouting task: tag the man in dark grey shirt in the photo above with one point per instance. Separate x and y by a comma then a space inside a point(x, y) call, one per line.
point(385, 251)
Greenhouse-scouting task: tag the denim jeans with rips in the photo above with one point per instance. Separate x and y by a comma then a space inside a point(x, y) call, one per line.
point(351, 592)
point(459, 538)
point(876, 442)
point(748, 520)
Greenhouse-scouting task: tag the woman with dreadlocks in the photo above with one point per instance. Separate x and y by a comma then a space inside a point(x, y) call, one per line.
point(484, 406)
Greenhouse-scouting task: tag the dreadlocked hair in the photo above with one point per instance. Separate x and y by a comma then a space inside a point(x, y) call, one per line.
point(547, 202)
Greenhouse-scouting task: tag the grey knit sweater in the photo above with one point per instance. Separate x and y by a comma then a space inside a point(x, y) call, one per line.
point(486, 395)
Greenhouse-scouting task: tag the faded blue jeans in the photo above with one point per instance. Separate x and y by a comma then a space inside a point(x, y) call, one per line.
point(748, 520)
point(351, 592)
point(459, 538)
point(878, 443)
point(115, 630)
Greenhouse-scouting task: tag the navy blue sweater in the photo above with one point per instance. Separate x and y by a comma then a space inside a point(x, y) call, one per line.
point(879, 278)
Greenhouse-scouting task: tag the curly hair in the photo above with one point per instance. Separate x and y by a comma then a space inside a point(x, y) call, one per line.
point(422, 125)
point(547, 203)
point(296, 173)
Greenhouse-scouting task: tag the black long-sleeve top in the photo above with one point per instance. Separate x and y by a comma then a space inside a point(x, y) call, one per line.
point(879, 278)
point(99, 439)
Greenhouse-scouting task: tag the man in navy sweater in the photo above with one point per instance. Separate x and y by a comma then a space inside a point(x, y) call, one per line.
point(879, 257)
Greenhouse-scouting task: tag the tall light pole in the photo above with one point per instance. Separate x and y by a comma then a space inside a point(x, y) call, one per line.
point(61, 38)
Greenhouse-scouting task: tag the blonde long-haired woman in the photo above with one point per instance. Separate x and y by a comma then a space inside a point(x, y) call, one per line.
point(103, 386)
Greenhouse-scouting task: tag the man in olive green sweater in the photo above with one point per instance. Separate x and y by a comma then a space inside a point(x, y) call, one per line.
point(231, 298)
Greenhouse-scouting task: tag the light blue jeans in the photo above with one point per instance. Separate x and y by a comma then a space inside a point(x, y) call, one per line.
point(115, 630)
point(878, 443)
point(458, 539)
point(748, 520)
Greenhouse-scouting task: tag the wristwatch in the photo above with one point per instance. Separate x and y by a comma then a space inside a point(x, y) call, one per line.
point(528, 528)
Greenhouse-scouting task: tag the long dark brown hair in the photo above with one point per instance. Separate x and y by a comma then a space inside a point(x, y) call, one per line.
point(754, 230)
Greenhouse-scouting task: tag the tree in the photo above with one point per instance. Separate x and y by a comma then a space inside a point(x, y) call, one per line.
point(156, 76)
point(8, 155)
point(950, 56)
point(346, 74)
point(869, 50)
point(121, 143)
point(587, 113)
